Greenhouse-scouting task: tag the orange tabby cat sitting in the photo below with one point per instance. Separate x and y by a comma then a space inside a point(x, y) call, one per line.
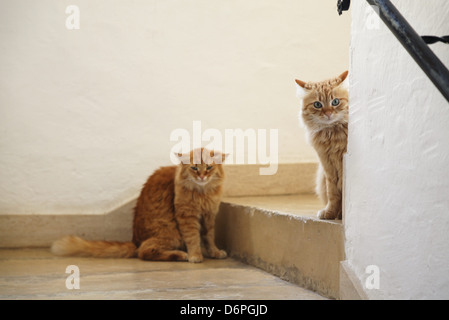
point(174, 217)
point(324, 112)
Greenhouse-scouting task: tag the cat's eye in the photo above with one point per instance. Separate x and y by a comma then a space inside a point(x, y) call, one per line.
point(335, 102)
point(209, 168)
point(194, 168)
point(317, 104)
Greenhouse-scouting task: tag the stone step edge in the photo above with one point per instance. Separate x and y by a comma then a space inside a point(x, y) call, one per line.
point(301, 250)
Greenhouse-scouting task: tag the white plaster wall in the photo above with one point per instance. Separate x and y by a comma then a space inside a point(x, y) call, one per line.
point(397, 167)
point(86, 115)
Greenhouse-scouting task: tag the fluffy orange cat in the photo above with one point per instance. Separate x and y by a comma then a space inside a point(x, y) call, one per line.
point(324, 112)
point(174, 217)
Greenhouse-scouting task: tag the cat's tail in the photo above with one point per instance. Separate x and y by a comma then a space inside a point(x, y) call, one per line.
point(76, 246)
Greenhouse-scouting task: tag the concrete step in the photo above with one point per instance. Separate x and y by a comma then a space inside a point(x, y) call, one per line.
point(281, 235)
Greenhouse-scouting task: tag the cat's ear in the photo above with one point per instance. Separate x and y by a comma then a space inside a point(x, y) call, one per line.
point(344, 80)
point(183, 157)
point(219, 157)
point(300, 90)
point(224, 156)
point(300, 83)
point(343, 76)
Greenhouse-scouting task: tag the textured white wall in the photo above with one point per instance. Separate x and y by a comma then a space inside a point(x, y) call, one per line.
point(397, 168)
point(86, 115)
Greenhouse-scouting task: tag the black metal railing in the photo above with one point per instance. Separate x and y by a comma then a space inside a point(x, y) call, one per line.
point(416, 46)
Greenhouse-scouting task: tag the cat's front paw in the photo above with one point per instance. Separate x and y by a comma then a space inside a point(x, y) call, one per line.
point(218, 254)
point(195, 258)
point(326, 214)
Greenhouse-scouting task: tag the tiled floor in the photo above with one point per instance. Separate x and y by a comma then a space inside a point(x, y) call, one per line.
point(37, 274)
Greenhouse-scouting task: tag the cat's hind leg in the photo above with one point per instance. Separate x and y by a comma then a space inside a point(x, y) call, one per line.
point(156, 250)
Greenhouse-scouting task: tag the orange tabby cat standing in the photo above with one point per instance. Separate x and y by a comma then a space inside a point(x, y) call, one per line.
point(324, 112)
point(174, 218)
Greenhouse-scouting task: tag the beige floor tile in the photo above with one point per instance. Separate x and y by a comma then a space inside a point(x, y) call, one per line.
point(36, 274)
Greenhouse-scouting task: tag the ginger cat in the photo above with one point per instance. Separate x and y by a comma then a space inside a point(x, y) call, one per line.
point(324, 112)
point(174, 218)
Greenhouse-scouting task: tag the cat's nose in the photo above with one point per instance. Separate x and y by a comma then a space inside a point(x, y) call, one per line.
point(328, 114)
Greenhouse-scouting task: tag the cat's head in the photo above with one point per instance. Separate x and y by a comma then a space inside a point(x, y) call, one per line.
point(201, 167)
point(324, 103)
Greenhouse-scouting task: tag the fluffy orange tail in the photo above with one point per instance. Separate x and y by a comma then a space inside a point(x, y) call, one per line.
point(76, 246)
